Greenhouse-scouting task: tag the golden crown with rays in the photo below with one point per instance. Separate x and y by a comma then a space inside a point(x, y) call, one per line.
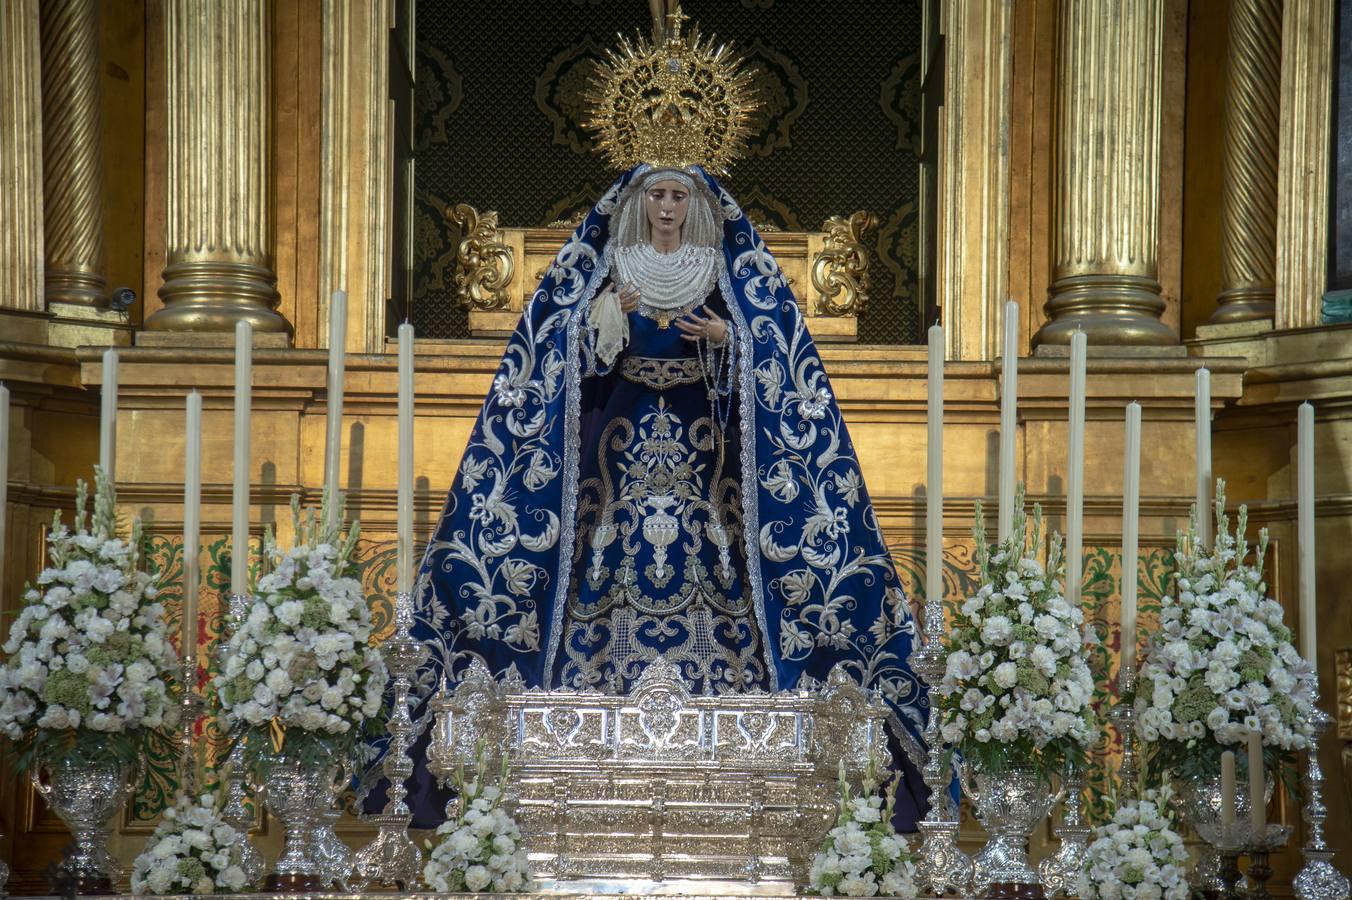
point(675, 102)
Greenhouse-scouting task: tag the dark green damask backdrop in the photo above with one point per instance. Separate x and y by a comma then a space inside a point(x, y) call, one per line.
point(497, 112)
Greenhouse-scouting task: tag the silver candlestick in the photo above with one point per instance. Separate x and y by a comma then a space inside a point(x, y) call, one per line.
point(1124, 718)
point(1060, 873)
point(1317, 879)
point(190, 707)
point(237, 812)
point(392, 857)
point(943, 866)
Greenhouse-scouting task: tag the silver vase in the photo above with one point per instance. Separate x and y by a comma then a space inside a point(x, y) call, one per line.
point(1199, 803)
point(86, 796)
point(1010, 802)
point(296, 795)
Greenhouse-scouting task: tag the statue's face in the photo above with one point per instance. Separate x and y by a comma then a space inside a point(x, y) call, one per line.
point(666, 204)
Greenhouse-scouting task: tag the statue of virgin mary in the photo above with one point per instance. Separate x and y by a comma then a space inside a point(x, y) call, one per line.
point(661, 470)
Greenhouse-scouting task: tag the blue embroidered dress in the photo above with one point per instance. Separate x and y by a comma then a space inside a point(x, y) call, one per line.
point(659, 561)
point(707, 508)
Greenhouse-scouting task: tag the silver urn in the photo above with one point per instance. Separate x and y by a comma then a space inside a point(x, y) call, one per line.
point(297, 795)
point(1010, 801)
point(86, 795)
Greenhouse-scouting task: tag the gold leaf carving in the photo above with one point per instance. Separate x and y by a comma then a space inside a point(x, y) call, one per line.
point(484, 266)
point(840, 271)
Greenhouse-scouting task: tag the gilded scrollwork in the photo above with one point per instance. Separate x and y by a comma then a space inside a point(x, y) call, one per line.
point(840, 270)
point(484, 265)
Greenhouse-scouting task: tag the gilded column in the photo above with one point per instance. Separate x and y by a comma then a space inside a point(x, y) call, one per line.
point(72, 153)
point(1106, 182)
point(1303, 167)
point(1249, 191)
point(20, 157)
point(973, 240)
point(218, 232)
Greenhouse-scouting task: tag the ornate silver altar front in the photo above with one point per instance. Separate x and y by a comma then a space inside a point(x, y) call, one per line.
point(659, 790)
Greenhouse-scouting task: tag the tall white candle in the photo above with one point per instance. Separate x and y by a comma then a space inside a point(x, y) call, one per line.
point(1009, 391)
point(1257, 787)
point(405, 512)
point(934, 473)
point(1305, 529)
point(1202, 424)
point(1227, 793)
point(108, 416)
point(333, 445)
point(239, 532)
point(1131, 531)
point(1075, 481)
point(4, 482)
point(192, 522)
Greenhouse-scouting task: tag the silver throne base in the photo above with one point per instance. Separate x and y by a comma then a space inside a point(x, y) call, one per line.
point(659, 792)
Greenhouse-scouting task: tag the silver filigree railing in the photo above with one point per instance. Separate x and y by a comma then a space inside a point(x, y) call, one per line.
point(662, 786)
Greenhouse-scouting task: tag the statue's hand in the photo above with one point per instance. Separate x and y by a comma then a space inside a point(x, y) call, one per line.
point(628, 299)
point(695, 327)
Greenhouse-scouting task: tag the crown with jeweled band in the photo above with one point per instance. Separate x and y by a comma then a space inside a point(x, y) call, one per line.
point(675, 102)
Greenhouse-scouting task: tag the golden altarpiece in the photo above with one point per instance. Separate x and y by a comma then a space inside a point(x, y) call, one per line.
point(239, 159)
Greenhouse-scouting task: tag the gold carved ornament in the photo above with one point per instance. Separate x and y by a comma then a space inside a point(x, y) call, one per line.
point(676, 101)
point(840, 270)
point(484, 266)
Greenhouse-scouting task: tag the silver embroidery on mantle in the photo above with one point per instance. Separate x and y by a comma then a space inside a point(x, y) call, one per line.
point(660, 374)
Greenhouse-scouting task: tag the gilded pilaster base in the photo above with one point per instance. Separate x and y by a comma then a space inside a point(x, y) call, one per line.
point(83, 288)
point(209, 295)
point(1109, 309)
point(1244, 304)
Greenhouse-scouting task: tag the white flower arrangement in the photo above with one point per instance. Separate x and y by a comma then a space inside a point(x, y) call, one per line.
point(300, 666)
point(1221, 662)
point(1137, 855)
point(479, 849)
point(193, 851)
point(1018, 684)
point(89, 669)
point(863, 856)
